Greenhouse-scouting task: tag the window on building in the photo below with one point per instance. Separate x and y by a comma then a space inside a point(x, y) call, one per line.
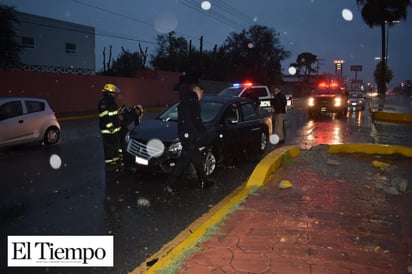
point(27, 42)
point(70, 48)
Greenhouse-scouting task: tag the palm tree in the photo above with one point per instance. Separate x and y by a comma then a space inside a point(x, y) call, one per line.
point(382, 13)
point(305, 60)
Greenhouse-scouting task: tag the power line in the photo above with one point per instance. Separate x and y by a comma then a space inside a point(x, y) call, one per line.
point(210, 13)
point(114, 13)
point(231, 10)
point(123, 16)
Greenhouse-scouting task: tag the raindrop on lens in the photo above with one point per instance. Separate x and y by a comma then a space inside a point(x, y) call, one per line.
point(347, 14)
point(55, 161)
point(206, 5)
point(165, 23)
point(274, 139)
point(292, 70)
point(157, 147)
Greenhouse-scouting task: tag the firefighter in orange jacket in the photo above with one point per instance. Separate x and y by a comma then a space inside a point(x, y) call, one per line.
point(110, 125)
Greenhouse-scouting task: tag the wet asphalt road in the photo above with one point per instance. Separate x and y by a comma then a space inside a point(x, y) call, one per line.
point(81, 198)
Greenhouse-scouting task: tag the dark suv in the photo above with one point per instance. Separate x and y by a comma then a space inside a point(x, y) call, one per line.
point(328, 99)
point(234, 124)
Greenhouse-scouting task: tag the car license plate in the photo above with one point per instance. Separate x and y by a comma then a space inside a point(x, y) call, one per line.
point(353, 104)
point(323, 109)
point(141, 161)
point(265, 103)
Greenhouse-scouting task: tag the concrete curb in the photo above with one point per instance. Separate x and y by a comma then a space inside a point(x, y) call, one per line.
point(258, 178)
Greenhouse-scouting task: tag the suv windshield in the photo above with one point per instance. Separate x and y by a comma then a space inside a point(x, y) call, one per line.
point(209, 111)
point(231, 91)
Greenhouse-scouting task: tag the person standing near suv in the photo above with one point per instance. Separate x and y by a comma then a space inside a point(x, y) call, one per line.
point(278, 104)
point(110, 125)
point(192, 134)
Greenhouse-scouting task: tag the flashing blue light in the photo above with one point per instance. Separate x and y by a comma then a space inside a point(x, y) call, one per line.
point(236, 85)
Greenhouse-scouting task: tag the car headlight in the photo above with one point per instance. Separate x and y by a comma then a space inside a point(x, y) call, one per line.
point(311, 102)
point(338, 102)
point(175, 148)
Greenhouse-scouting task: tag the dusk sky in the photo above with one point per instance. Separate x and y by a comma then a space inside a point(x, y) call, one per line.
point(330, 29)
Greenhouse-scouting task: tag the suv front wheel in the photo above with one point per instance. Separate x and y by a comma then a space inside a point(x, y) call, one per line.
point(210, 162)
point(264, 142)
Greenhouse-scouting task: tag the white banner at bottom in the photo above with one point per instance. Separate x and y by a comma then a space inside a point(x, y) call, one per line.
point(60, 251)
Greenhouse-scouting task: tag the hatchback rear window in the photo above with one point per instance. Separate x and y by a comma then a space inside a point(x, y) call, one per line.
point(34, 106)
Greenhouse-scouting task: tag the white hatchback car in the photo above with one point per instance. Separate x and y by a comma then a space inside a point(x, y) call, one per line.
point(24, 120)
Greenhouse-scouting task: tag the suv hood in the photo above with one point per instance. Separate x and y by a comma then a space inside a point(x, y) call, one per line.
point(166, 131)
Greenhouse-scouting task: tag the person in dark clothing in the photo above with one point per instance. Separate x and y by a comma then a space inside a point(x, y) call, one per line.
point(278, 104)
point(131, 117)
point(109, 124)
point(193, 134)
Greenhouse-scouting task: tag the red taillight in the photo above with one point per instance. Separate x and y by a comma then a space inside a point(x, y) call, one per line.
point(328, 85)
point(333, 85)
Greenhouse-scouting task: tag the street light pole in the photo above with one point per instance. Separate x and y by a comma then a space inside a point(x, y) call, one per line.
point(387, 37)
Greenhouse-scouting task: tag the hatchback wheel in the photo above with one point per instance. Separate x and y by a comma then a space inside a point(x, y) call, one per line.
point(52, 135)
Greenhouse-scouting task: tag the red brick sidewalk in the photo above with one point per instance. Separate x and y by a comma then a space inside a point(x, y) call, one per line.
point(342, 215)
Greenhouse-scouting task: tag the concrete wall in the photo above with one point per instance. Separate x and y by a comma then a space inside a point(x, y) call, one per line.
point(78, 94)
point(70, 94)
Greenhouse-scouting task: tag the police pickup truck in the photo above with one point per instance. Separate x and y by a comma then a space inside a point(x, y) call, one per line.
point(328, 98)
point(258, 93)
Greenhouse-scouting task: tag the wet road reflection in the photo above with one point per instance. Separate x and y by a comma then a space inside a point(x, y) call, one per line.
point(326, 129)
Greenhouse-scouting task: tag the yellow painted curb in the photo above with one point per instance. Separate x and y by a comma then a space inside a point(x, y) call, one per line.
point(391, 117)
point(270, 163)
point(258, 178)
point(371, 149)
point(95, 115)
point(78, 117)
point(198, 234)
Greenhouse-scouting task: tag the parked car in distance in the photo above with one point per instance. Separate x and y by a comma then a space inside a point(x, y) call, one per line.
point(289, 101)
point(24, 120)
point(234, 124)
point(356, 100)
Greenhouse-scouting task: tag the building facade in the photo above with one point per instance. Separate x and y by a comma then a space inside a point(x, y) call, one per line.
point(51, 45)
